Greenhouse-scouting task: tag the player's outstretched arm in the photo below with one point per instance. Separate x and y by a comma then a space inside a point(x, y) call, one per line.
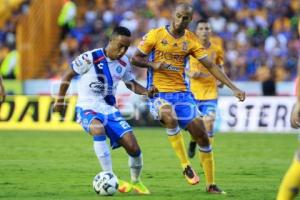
point(221, 76)
point(64, 85)
point(139, 89)
point(2, 90)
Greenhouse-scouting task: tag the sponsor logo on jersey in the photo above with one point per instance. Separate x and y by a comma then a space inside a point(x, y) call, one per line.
point(100, 65)
point(172, 68)
point(96, 86)
point(177, 58)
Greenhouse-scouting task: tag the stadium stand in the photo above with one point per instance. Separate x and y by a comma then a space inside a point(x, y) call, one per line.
point(260, 35)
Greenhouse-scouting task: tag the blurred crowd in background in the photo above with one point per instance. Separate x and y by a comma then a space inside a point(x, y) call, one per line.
point(261, 35)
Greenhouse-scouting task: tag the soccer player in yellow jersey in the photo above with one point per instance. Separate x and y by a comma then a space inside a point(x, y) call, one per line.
point(290, 184)
point(2, 90)
point(204, 86)
point(168, 49)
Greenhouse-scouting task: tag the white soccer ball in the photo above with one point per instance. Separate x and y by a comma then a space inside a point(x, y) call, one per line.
point(105, 183)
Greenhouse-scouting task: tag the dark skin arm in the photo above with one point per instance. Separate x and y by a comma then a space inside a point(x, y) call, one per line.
point(64, 85)
point(2, 90)
point(221, 76)
point(139, 89)
point(140, 60)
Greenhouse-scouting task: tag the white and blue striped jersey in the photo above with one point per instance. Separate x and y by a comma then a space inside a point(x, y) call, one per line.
point(99, 77)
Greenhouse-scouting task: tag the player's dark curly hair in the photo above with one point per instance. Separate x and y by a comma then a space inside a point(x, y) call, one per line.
point(120, 30)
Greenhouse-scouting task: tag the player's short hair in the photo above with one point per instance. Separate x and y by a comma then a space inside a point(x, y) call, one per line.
point(185, 6)
point(120, 30)
point(203, 20)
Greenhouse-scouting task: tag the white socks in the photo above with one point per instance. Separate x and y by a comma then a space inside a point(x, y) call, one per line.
point(135, 164)
point(102, 152)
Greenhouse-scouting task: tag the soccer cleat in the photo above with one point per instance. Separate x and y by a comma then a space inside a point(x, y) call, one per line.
point(214, 189)
point(140, 188)
point(124, 187)
point(192, 149)
point(190, 175)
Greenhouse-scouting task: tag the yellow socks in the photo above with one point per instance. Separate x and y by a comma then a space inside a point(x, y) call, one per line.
point(208, 165)
point(291, 182)
point(178, 145)
point(211, 141)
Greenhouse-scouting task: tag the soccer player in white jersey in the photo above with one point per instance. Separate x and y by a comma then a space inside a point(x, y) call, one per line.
point(100, 70)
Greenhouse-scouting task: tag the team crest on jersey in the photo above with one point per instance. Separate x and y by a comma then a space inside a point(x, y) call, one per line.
point(164, 42)
point(184, 46)
point(119, 69)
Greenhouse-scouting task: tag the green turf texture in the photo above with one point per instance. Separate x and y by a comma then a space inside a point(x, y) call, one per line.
point(61, 165)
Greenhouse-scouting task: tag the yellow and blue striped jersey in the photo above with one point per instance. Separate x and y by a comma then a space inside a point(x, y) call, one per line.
point(164, 47)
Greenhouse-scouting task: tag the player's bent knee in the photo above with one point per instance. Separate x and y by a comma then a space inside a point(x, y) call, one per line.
point(167, 116)
point(96, 128)
point(197, 130)
point(169, 121)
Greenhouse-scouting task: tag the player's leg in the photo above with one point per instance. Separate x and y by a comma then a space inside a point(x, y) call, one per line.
point(96, 129)
point(197, 129)
point(168, 118)
point(135, 162)
point(208, 109)
point(290, 184)
point(192, 145)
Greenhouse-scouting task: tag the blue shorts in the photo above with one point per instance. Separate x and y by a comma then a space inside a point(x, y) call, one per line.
point(114, 124)
point(183, 103)
point(207, 107)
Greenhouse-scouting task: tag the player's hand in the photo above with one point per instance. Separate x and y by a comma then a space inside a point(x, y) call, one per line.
point(2, 95)
point(152, 92)
point(219, 84)
point(59, 106)
point(159, 65)
point(241, 95)
point(295, 116)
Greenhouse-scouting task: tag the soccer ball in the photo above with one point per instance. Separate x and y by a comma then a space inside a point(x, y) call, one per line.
point(105, 183)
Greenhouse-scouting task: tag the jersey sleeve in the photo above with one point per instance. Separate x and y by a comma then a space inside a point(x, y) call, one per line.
point(128, 75)
point(197, 50)
point(148, 42)
point(82, 63)
point(220, 57)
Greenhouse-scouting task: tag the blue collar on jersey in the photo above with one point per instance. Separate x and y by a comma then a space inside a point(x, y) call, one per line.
point(104, 76)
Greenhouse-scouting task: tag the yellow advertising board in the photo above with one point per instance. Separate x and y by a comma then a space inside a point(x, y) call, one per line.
point(35, 113)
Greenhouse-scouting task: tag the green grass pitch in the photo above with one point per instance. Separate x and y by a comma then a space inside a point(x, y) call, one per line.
point(61, 165)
